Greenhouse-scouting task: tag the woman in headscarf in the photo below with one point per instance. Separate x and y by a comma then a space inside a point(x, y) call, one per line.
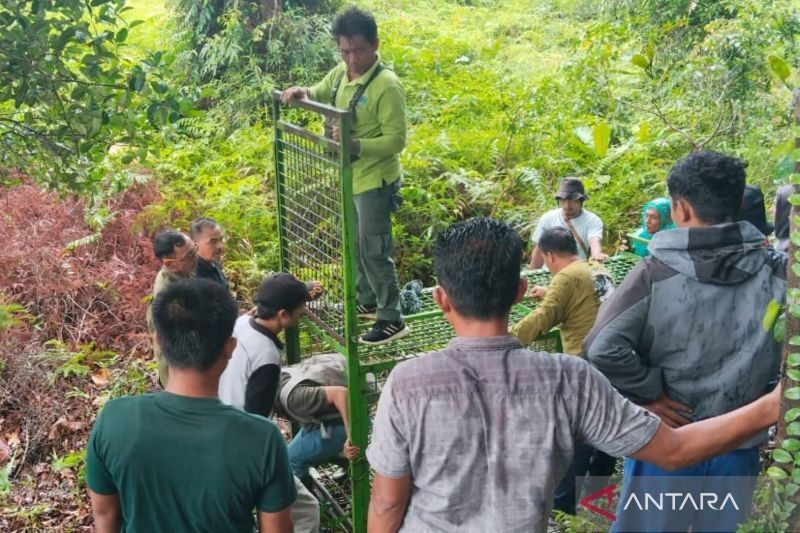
point(655, 217)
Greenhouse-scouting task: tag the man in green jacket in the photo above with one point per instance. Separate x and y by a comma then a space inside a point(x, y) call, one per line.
point(374, 95)
point(573, 297)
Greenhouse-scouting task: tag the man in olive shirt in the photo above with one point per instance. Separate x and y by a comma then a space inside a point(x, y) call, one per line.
point(573, 297)
point(373, 92)
point(178, 255)
point(572, 300)
point(181, 460)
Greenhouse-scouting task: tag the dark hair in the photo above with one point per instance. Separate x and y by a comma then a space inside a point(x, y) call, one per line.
point(193, 318)
point(200, 224)
point(558, 240)
point(354, 21)
point(477, 262)
point(712, 183)
point(165, 242)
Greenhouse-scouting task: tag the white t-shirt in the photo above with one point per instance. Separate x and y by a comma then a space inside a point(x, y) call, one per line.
point(253, 350)
point(587, 225)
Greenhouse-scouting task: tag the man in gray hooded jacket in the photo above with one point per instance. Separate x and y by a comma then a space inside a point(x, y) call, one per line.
point(683, 334)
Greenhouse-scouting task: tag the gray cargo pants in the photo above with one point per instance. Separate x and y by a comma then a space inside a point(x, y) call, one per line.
point(376, 278)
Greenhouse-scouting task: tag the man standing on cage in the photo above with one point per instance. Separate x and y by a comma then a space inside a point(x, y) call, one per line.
point(373, 94)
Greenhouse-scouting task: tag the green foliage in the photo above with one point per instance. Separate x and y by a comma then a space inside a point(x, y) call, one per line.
point(67, 93)
point(228, 179)
point(66, 363)
point(5, 478)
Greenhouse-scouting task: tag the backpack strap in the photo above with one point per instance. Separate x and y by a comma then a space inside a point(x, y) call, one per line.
point(359, 90)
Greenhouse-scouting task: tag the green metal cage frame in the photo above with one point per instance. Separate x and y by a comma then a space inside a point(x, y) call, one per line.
point(316, 222)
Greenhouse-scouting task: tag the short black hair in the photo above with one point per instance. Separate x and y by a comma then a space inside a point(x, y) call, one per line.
point(558, 240)
point(712, 183)
point(200, 224)
point(165, 242)
point(354, 21)
point(193, 318)
point(477, 262)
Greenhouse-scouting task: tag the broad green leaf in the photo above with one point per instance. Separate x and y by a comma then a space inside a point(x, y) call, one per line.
point(793, 374)
point(793, 428)
point(792, 393)
point(778, 67)
point(782, 456)
point(794, 340)
point(791, 445)
point(791, 414)
point(770, 315)
point(777, 473)
point(643, 133)
point(601, 135)
point(793, 359)
point(640, 61)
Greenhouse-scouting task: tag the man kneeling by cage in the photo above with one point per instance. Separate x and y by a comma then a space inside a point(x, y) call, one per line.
point(475, 437)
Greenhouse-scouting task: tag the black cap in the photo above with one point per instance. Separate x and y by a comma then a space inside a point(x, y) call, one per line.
point(753, 210)
point(571, 189)
point(281, 291)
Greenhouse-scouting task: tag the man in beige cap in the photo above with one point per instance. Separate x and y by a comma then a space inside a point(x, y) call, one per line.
point(585, 226)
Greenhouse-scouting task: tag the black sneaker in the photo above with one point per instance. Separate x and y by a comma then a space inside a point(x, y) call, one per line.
point(385, 331)
point(367, 311)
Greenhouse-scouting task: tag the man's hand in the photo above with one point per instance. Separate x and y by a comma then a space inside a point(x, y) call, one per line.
point(294, 93)
point(537, 292)
point(355, 144)
point(600, 257)
point(350, 451)
point(667, 411)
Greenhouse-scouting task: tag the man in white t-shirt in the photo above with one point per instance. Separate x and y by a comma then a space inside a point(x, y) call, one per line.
point(585, 226)
point(250, 381)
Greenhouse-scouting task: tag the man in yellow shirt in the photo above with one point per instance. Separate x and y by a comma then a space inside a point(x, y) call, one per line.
point(573, 297)
point(572, 300)
point(374, 95)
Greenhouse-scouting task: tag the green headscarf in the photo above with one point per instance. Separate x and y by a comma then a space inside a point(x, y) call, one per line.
point(662, 206)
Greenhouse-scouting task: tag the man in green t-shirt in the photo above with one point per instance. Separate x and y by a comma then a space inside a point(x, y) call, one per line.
point(181, 460)
point(374, 95)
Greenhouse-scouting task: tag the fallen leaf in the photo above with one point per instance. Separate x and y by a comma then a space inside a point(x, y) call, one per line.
point(5, 451)
point(63, 424)
point(101, 377)
point(13, 439)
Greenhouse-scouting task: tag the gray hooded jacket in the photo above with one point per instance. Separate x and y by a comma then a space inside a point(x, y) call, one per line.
point(687, 321)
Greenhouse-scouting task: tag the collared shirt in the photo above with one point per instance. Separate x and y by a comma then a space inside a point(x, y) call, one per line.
point(210, 270)
point(380, 122)
point(486, 429)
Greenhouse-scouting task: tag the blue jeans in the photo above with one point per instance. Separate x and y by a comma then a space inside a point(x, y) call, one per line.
point(740, 467)
point(309, 448)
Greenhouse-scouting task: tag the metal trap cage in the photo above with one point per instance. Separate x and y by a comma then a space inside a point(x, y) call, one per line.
point(316, 221)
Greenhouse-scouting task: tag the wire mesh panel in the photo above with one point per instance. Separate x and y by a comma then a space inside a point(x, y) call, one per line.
point(310, 199)
point(317, 241)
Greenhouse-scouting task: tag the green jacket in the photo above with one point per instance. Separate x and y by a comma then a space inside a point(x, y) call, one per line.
point(380, 123)
point(571, 301)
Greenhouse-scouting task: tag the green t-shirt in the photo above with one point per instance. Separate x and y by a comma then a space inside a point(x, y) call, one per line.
point(188, 464)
